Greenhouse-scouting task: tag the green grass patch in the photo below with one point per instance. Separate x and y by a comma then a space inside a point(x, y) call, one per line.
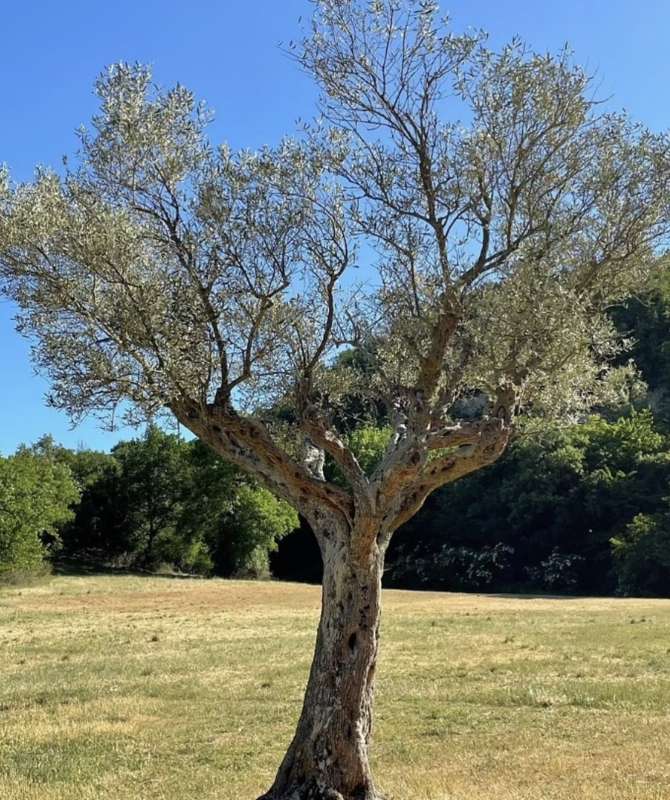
point(128, 688)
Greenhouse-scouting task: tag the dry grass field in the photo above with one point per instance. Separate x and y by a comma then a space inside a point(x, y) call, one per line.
point(121, 688)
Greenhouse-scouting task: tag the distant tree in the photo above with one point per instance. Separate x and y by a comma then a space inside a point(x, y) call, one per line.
point(149, 489)
point(645, 318)
point(35, 498)
point(237, 521)
point(95, 510)
point(85, 465)
point(209, 492)
point(164, 273)
point(642, 555)
point(250, 532)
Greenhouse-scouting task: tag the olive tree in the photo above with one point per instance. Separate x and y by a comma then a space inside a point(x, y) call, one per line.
point(463, 217)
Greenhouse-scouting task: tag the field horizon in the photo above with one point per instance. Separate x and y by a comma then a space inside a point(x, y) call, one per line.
point(131, 687)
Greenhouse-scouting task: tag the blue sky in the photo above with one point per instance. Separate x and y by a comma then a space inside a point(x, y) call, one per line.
point(227, 52)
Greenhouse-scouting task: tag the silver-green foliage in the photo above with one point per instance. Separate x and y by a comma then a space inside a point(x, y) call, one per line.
point(498, 209)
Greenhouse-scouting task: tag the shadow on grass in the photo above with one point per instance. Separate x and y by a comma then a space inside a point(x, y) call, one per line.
point(74, 568)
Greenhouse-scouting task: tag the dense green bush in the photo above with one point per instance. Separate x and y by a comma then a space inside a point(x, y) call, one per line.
point(238, 523)
point(256, 523)
point(642, 555)
point(36, 495)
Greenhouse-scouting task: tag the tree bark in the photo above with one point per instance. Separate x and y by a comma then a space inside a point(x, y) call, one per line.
point(328, 757)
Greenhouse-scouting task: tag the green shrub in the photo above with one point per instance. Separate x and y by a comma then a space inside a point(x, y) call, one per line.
point(35, 498)
point(642, 555)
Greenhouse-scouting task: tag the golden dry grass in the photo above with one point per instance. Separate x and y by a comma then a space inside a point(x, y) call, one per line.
point(117, 688)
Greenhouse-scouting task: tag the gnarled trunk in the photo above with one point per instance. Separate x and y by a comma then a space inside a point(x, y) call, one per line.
point(328, 757)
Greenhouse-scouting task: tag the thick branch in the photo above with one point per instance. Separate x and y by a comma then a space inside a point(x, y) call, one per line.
point(491, 443)
point(247, 443)
point(324, 437)
point(454, 436)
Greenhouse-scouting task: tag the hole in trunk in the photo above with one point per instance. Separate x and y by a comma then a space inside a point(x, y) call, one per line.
point(352, 642)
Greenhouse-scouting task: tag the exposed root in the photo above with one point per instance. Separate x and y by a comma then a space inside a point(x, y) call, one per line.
point(314, 791)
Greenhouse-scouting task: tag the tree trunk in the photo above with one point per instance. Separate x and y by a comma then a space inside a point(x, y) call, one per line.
point(328, 757)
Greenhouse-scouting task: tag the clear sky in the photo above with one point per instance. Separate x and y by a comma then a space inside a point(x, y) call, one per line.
point(227, 52)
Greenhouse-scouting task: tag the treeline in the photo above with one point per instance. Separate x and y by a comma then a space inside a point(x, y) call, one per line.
point(577, 509)
point(583, 509)
point(155, 502)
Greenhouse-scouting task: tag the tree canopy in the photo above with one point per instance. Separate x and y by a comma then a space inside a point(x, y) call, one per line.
point(495, 208)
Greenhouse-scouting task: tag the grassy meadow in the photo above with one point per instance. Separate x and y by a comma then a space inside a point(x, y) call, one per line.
point(123, 688)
